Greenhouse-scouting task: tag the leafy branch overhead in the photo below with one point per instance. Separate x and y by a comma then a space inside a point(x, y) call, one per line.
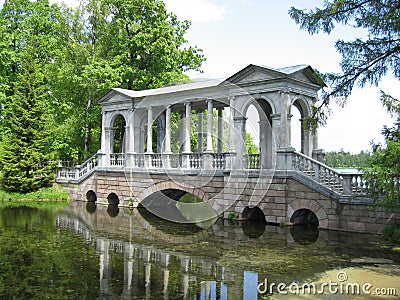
point(364, 61)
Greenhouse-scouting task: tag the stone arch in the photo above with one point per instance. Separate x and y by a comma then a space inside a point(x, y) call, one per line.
point(113, 199)
point(311, 205)
point(112, 116)
point(253, 213)
point(91, 196)
point(303, 106)
point(118, 134)
point(166, 185)
point(265, 109)
point(256, 100)
point(304, 216)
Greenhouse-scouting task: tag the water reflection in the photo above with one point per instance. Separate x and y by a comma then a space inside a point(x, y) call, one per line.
point(113, 210)
point(142, 256)
point(253, 229)
point(304, 234)
point(90, 207)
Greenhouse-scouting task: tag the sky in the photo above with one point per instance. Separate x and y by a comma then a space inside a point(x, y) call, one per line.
point(236, 33)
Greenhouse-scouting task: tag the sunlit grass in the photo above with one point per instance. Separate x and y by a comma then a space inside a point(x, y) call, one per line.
point(47, 198)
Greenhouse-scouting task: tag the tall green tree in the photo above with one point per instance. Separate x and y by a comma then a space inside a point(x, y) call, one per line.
point(364, 61)
point(149, 44)
point(25, 153)
point(383, 178)
point(25, 24)
point(113, 43)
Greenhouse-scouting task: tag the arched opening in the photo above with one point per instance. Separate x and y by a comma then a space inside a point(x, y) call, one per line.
point(252, 130)
point(91, 196)
point(254, 224)
point(259, 138)
point(296, 128)
point(180, 207)
point(300, 135)
point(118, 144)
point(304, 217)
point(253, 214)
point(113, 199)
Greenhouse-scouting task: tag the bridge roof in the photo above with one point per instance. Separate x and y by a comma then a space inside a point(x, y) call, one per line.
point(251, 73)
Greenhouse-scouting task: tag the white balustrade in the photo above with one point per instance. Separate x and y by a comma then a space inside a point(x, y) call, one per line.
point(253, 161)
point(342, 183)
point(117, 159)
point(65, 171)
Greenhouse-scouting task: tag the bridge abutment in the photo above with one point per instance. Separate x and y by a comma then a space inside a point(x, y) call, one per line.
point(278, 197)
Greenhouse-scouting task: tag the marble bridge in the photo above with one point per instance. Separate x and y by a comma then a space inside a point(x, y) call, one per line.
point(158, 145)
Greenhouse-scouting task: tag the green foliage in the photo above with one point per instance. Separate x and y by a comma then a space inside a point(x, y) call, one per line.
point(251, 147)
point(25, 156)
point(391, 233)
point(77, 54)
point(33, 199)
point(344, 159)
point(384, 175)
point(363, 61)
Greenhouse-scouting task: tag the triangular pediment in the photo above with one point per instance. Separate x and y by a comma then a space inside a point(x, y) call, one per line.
point(116, 95)
point(254, 73)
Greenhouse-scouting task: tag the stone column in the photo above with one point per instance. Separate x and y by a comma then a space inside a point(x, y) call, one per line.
point(220, 131)
point(200, 131)
point(104, 141)
point(240, 139)
point(232, 144)
point(209, 147)
point(276, 127)
point(315, 139)
point(188, 122)
point(161, 133)
point(265, 144)
point(110, 139)
point(150, 130)
point(306, 142)
point(167, 143)
point(129, 148)
point(284, 133)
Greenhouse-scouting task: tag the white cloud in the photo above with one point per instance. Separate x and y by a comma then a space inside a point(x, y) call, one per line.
point(197, 11)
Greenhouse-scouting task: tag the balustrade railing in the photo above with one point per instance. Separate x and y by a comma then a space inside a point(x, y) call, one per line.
point(66, 171)
point(253, 161)
point(219, 160)
point(117, 159)
point(342, 183)
point(156, 160)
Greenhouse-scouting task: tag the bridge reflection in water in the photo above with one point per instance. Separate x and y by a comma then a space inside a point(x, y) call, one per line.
point(142, 257)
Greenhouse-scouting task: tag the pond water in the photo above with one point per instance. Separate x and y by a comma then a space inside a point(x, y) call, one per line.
point(98, 252)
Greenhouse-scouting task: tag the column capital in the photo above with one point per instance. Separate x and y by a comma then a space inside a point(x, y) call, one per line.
point(275, 116)
point(231, 98)
point(209, 101)
point(239, 118)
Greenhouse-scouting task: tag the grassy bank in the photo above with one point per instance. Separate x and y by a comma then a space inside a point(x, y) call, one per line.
point(44, 197)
